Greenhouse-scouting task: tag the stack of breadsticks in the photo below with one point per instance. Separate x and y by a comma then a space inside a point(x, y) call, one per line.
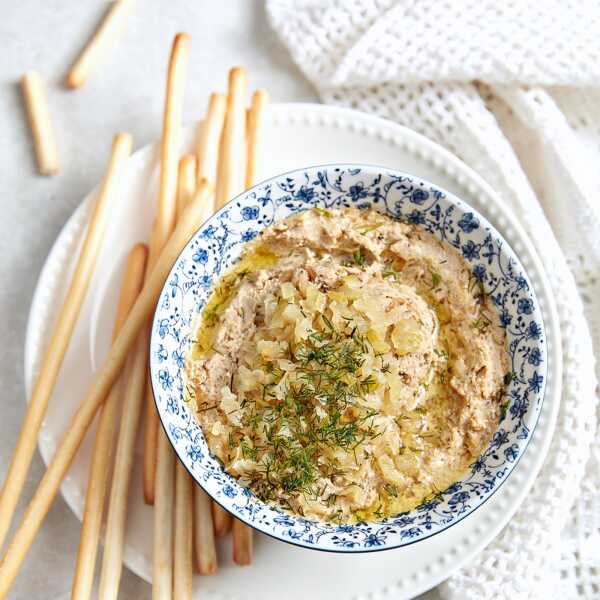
point(191, 188)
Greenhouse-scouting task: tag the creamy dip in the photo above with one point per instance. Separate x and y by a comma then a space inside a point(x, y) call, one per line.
point(348, 367)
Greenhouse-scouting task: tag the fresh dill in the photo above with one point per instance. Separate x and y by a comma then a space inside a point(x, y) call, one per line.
point(476, 286)
point(190, 393)
point(503, 409)
point(319, 410)
point(391, 490)
point(398, 420)
point(371, 228)
point(359, 257)
point(441, 353)
point(482, 323)
point(211, 315)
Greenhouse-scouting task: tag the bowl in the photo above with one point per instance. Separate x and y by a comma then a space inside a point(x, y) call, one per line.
point(217, 245)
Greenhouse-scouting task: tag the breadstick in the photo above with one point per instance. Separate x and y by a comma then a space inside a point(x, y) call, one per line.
point(40, 122)
point(61, 335)
point(171, 138)
point(162, 568)
point(151, 420)
point(106, 35)
point(204, 536)
point(242, 534)
point(242, 543)
point(232, 153)
point(184, 484)
point(209, 137)
point(105, 440)
point(135, 393)
point(162, 554)
point(150, 440)
point(112, 557)
point(101, 385)
point(210, 131)
point(186, 181)
point(167, 207)
point(222, 520)
point(183, 555)
point(256, 125)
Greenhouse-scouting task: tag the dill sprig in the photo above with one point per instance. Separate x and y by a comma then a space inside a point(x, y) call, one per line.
point(370, 228)
point(482, 323)
point(359, 257)
point(320, 409)
point(436, 278)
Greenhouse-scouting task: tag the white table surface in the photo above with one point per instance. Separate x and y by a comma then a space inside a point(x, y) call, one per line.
point(126, 94)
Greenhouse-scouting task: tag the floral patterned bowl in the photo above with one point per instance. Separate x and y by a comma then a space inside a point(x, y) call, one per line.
point(219, 242)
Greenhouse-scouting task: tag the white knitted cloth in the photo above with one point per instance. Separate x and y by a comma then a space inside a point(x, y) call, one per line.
point(531, 127)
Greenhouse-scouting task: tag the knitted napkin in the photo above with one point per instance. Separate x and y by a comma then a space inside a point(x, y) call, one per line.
point(509, 87)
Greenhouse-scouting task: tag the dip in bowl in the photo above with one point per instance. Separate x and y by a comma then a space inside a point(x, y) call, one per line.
point(366, 375)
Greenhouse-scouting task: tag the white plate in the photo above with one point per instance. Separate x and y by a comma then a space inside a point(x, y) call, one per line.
point(301, 135)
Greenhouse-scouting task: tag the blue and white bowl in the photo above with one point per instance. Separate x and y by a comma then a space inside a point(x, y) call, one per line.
point(219, 242)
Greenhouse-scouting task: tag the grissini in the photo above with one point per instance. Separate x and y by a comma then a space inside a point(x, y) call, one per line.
point(96, 49)
point(162, 555)
point(105, 441)
point(186, 181)
point(256, 134)
point(101, 385)
point(243, 543)
point(67, 317)
point(204, 535)
point(167, 212)
point(209, 139)
point(232, 152)
point(171, 137)
point(230, 183)
point(209, 136)
point(112, 557)
point(183, 559)
point(242, 534)
point(183, 549)
point(38, 112)
point(151, 420)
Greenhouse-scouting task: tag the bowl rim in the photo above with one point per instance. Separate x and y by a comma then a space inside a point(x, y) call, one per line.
point(455, 200)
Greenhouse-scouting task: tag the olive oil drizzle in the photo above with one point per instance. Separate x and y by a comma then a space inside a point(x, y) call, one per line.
point(251, 262)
